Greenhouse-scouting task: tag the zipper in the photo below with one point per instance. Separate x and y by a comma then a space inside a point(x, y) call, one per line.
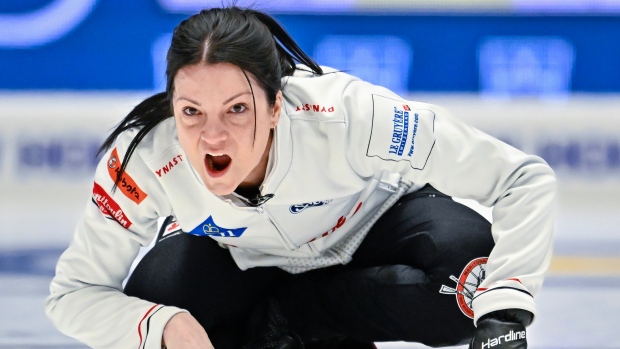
point(261, 210)
point(387, 187)
point(289, 245)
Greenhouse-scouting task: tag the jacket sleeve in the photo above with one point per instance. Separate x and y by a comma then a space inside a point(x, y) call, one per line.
point(425, 144)
point(86, 299)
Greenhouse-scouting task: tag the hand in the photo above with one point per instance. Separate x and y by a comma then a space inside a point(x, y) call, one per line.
point(183, 332)
point(504, 329)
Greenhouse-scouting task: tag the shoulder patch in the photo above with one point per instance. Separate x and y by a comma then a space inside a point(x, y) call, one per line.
point(401, 133)
point(127, 185)
point(109, 207)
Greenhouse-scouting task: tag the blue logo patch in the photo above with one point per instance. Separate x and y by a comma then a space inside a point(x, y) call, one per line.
point(400, 131)
point(209, 228)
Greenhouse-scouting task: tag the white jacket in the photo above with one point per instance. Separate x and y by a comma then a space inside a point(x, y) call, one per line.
point(344, 152)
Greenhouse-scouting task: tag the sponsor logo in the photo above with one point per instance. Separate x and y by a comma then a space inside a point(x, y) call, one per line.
point(167, 168)
point(315, 108)
point(341, 221)
point(128, 186)
point(209, 228)
point(414, 133)
point(109, 207)
point(113, 163)
point(172, 227)
point(466, 285)
point(400, 131)
point(300, 207)
point(511, 336)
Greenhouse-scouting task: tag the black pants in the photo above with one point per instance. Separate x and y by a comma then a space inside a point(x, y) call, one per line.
point(389, 292)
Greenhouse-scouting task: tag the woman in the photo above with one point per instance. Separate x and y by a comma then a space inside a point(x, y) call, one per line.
point(306, 209)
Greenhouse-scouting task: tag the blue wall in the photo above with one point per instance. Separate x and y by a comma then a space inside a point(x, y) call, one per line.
point(111, 48)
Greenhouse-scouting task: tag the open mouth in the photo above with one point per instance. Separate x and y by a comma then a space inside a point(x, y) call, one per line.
point(217, 164)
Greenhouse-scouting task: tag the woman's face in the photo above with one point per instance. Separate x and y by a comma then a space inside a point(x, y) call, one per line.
point(214, 115)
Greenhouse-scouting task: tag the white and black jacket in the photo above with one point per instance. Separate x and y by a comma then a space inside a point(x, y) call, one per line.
point(344, 151)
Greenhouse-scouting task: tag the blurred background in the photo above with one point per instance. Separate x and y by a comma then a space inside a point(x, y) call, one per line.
point(542, 75)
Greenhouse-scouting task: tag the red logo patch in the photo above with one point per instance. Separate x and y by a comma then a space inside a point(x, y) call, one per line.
point(172, 227)
point(127, 185)
point(466, 285)
point(109, 207)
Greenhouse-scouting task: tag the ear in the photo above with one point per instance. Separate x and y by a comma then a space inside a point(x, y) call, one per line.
point(277, 108)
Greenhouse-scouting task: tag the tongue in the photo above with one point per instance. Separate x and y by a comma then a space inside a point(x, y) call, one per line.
point(219, 163)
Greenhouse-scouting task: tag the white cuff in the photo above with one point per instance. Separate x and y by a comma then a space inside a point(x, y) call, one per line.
point(502, 298)
point(152, 326)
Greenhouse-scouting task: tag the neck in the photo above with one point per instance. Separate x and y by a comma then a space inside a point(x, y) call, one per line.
point(256, 177)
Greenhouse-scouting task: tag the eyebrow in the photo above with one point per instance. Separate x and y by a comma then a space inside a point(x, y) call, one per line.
point(237, 95)
point(189, 100)
point(226, 101)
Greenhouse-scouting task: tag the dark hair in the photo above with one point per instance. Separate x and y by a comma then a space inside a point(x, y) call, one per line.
point(247, 38)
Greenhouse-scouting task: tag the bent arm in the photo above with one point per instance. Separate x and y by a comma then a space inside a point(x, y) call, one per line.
point(425, 144)
point(522, 190)
point(86, 299)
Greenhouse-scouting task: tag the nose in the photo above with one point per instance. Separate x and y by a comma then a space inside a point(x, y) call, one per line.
point(213, 132)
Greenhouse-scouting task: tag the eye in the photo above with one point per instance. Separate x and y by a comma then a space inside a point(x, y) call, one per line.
point(238, 108)
point(190, 111)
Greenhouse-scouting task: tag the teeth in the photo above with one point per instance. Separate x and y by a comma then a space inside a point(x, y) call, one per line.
point(215, 154)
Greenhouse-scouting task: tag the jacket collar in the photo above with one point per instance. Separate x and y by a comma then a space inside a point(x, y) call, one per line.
point(280, 155)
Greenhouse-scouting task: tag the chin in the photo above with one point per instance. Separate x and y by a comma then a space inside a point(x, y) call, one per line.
point(220, 189)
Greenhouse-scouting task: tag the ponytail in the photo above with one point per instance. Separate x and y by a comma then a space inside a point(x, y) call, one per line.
point(288, 50)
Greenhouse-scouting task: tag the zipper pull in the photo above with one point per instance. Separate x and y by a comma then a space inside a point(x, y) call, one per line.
point(260, 199)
